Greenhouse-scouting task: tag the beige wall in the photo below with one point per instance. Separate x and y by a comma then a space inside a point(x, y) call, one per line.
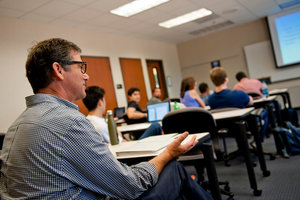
point(227, 46)
point(16, 36)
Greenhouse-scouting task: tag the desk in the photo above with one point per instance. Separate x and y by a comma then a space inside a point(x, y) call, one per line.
point(134, 127)
point(285, 96)
point(238, 117)
point(264, 100)
point(206, 149)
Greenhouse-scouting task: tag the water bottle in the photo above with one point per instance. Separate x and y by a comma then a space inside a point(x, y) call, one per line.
point(176, 106)
point(112, 128)
point(265, 90)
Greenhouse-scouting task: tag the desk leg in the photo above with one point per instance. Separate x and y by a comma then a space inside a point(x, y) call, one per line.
point(253, 124)
point(288, 100)
point(211, 171)
point(243, 144)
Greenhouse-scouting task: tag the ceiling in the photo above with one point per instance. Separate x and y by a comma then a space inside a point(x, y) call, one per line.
point(94, 15)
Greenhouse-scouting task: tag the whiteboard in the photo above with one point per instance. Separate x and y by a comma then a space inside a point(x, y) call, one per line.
point(260, 62)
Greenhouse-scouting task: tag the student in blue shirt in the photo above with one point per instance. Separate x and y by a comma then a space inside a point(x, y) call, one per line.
point(224, 97)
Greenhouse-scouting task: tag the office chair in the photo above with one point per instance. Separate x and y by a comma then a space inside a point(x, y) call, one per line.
point(194, 120)
point(175, 99)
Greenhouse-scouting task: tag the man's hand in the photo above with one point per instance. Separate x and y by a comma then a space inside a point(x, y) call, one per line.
point(176, 149)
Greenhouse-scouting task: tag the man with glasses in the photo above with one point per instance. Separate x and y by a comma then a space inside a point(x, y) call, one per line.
point(52, 151)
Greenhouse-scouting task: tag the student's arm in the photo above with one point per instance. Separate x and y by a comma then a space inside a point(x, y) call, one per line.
point(173, 150)
point(133, 114)
point(121, 136)
point(196, 96)
point(250, 103)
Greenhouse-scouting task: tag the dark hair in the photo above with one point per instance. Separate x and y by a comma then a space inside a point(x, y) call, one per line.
point(132, 90)
point(218, 75)
point(41, 57)
point(203, 87)
point(240, 75)
point(187, 84)
point(93, 95)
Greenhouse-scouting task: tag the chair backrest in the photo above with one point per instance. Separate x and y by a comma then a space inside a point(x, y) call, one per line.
point(193, 120)
point(254, 95)
point(2, 135)
point(175, 99)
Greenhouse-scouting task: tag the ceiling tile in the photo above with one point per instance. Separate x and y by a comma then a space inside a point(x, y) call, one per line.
point(37, 17)
point(82, 14)
point(22, 5)
point(56, 9)
point(80, 2)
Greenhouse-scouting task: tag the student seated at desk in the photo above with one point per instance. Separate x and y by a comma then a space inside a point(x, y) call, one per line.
point(188, 94)
point(223, 97)
point(156, 93)
point(204, 92)
point(134, 112)
point(95, 103)
point(247, 85)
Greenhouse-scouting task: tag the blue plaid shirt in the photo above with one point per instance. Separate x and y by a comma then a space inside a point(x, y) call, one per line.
point(53, 152)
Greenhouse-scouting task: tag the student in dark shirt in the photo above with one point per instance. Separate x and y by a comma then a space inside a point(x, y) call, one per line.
point(134, 112)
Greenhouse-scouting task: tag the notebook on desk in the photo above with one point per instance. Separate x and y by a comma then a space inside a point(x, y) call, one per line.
point(157, 111)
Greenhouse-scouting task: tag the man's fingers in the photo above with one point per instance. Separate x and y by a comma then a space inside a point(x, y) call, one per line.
point(182, 136)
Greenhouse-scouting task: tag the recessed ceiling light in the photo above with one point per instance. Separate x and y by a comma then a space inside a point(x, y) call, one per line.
point(136, 6)
point(203, 12)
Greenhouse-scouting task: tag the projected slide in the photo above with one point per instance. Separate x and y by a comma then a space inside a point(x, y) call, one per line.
point(288, 32)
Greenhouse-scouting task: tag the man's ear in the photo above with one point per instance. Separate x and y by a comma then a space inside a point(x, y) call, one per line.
point(58, 70)
point(100, 102)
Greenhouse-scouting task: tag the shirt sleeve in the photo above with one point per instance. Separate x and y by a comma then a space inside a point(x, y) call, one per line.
point(244, 97)
point(88, 162)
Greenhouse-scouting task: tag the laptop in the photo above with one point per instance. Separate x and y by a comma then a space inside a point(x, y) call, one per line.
point(157, 111)
point(119, 112)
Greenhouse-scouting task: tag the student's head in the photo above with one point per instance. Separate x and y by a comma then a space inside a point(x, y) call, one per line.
point(218, 76)
point(52, 60)
point(156, 92)
point(94, 94)
point(240, 75)
point(188, 83)
point(134, 94)
point(203, 88)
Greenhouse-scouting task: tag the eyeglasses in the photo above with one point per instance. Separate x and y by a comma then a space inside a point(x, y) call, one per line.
point(83, 65)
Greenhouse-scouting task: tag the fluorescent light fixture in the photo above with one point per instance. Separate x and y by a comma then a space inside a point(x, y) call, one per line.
point(136, 6)
point(203, 12)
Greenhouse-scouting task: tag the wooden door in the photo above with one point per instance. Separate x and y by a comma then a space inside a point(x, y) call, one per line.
point(99, 71)
point(133, 77)
point(157, 77)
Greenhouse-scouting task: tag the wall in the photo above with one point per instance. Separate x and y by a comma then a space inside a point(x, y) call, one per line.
point(227, 46)
point(16, 36)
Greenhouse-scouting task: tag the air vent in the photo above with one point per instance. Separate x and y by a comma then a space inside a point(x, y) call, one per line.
point(207, 18)
point(214, 27)
point(289, 4)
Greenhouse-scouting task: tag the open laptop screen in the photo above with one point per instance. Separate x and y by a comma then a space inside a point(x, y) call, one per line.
point(157, 111)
